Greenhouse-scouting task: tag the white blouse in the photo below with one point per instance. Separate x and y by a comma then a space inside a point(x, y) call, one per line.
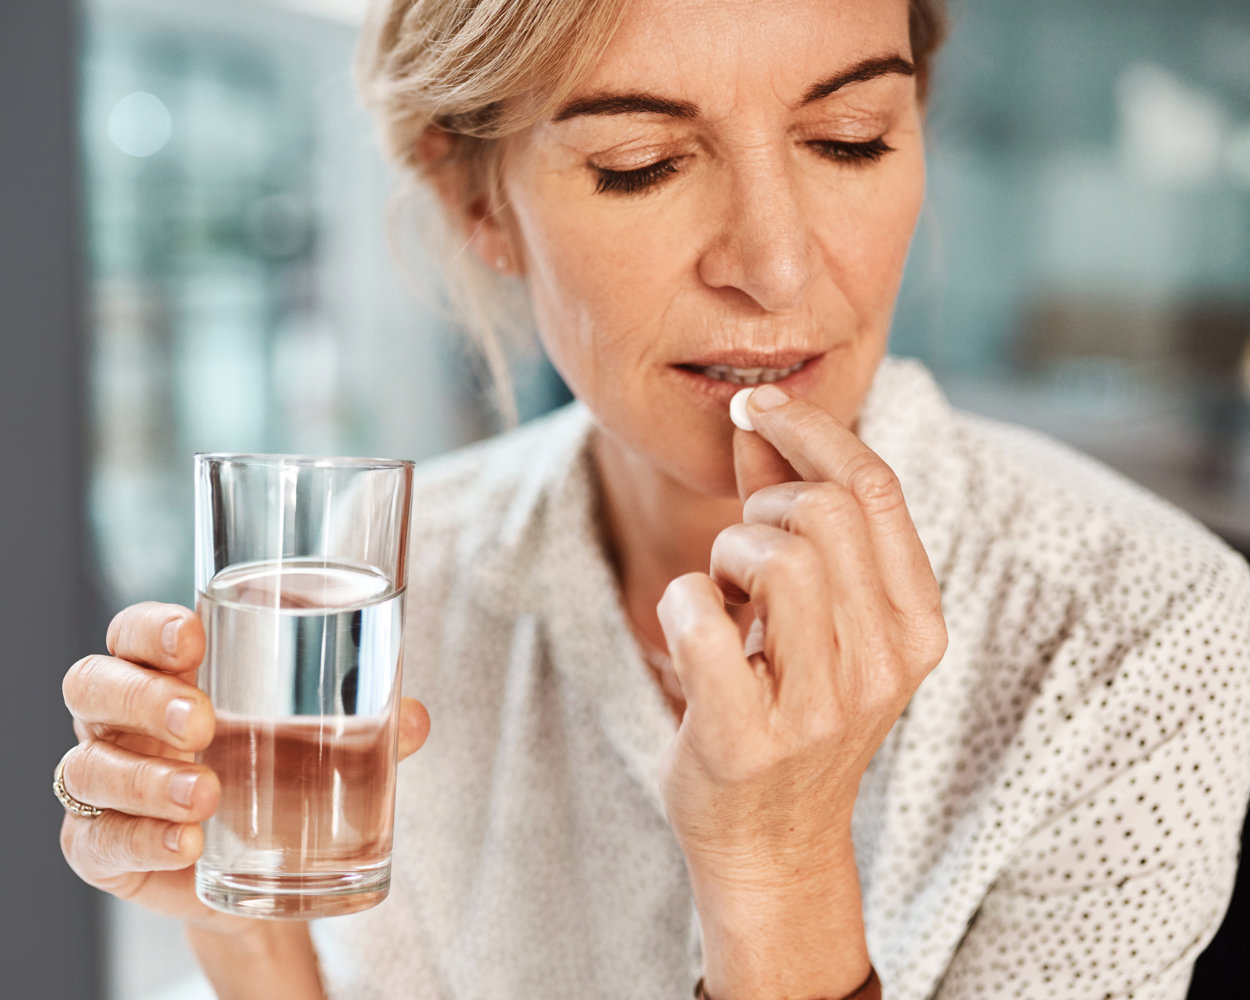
point(1056, 814)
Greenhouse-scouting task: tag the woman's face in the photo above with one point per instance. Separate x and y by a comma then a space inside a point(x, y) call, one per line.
point(728, 197)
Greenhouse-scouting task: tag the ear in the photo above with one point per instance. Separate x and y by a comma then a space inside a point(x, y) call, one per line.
point(471, 208)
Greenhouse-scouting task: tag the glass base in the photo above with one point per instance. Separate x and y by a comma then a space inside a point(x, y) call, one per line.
point(293, 897)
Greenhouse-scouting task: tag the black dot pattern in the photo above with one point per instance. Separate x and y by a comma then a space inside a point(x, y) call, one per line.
point(1067, 789)
point(1055, 815)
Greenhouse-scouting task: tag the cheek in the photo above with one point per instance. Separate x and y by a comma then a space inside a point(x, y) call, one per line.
point(871, 237)
point(594, 293)
point(579, 311)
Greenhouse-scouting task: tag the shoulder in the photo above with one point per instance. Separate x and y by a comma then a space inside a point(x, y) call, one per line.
point(488, 477)
point(491, 497)
point(482, 517)
point(1081, 744)
point(996, 500)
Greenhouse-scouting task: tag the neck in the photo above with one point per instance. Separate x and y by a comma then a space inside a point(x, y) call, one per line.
point(657, 529)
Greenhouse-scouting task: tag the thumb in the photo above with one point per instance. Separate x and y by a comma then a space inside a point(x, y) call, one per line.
point(758, 464)
point(414, 726)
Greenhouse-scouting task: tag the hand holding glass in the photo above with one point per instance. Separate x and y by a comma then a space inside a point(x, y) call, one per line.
point(300, 567)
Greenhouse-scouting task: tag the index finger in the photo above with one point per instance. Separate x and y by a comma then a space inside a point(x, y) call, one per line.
point(166, 637)
point(821, 449)
point(816, 445)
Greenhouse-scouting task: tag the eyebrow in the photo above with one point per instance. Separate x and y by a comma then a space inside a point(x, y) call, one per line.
point(640, 102)
point(869, 69)
point(632, 103)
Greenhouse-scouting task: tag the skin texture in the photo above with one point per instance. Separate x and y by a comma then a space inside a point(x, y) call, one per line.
point(781, 570)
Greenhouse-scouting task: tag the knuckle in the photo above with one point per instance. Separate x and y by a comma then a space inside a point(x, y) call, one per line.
point(874, 485)
point(791, 562)
point(132, 629)
point(77, 836)
point(933, 643)
point(79, 766)
point(927, 634)
point(79, 678)
point(820, 504)
point(680, 595)
point(131, 697)
point(69, 838)
point(694, 636)
point(688, 584)
point(138, 781)
point(93, 848)
point(120, 844)
point(812, 425)
point(727, 539)
point(113, 634)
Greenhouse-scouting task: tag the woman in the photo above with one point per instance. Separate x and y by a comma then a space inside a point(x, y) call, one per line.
point(687, 722)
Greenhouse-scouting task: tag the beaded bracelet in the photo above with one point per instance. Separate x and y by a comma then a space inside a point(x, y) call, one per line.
point(871, 990)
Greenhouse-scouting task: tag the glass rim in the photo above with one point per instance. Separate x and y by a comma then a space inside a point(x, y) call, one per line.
point(300, 461)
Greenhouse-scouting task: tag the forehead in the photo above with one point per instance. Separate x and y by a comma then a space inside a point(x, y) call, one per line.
point(711, 50)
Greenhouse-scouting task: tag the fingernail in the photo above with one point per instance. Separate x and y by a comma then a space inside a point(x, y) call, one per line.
point(768, 397)
point(176, 714)
point(173, 836)
point(182, 787)
point(169, 636)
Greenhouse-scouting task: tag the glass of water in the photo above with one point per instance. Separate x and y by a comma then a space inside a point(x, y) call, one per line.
point(300, 572)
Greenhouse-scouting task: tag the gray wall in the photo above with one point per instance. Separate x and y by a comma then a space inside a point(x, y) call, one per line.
point(48, 935)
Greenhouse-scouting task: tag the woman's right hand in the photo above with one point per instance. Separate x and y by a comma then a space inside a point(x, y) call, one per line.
point(140, 719)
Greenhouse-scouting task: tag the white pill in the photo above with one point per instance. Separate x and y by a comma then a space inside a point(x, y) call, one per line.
point(738, 409)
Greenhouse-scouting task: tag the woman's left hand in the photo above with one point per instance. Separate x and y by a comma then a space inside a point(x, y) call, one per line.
point(761, 779)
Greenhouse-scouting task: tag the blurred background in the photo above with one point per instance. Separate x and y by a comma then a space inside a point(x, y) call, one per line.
point(195, 258)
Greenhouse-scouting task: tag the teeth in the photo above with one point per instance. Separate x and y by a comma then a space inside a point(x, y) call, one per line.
point(746, 376)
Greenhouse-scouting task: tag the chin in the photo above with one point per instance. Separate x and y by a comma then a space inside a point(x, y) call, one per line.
point(695, 459)
point(704, 469)
point(714, 482)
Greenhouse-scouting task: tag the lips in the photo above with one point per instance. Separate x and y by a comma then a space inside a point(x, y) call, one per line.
point(747, 367)
point(755, 375)
point(712, 379)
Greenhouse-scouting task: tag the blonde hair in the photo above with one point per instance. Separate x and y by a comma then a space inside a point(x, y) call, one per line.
point(479, 71)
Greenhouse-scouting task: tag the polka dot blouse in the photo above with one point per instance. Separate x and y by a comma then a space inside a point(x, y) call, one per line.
point(1056, 815)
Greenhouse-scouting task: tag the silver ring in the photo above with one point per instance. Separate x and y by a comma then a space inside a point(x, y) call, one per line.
point(67, 800)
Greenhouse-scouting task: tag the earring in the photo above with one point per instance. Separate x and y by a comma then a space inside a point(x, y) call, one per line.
point(501, 262)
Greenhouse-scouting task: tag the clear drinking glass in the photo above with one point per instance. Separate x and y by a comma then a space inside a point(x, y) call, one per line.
point(300, 571)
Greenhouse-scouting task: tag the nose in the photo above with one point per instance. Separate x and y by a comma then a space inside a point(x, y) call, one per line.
point(763, 246)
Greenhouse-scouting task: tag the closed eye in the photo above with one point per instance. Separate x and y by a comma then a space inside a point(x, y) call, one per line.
point(634, 181)
point(852, 153)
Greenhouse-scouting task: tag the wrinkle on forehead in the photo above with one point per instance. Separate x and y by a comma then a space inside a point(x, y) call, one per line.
point(722, 53)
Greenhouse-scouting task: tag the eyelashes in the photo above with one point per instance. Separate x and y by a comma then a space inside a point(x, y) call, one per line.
point(852, 154)
point(633, 181)
point(856, 153)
